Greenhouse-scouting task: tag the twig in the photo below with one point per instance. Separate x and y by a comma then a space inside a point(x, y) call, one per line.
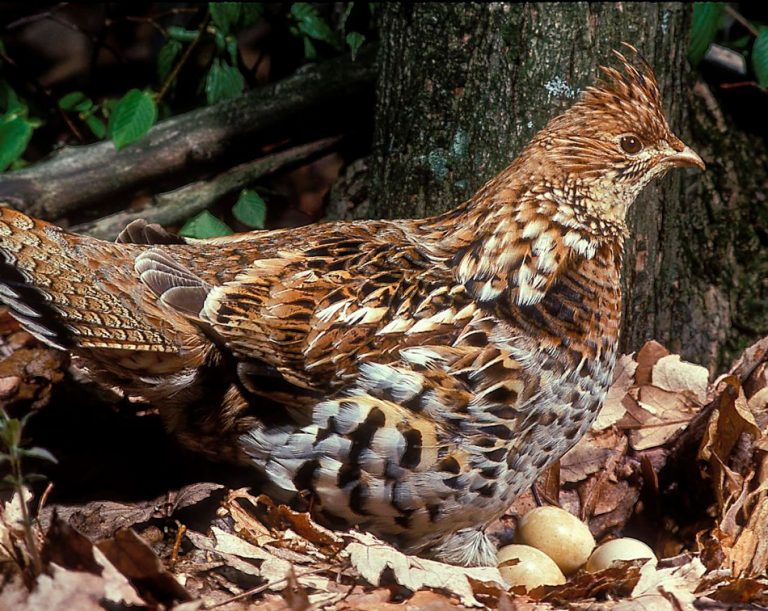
point(35, 17)
point(262, 588)
point(42, 91)
point(177, 206)
point(741, 19)
point(184, 57)
point(43, 500)
point(739, 85)
point(177, 542)
point(90, 36)
point(26, 520)
point(148, 20)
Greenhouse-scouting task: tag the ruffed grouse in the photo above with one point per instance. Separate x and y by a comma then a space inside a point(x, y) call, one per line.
point(411, 377)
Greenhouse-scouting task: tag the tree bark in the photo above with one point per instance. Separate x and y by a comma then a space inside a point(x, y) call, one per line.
point(463, 87)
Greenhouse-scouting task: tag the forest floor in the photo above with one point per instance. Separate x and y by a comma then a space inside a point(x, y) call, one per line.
point(128, 519)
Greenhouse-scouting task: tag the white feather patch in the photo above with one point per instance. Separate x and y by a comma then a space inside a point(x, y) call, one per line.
point(489, 292)
point(398, 325)
point(329, 312)
point(420, 355)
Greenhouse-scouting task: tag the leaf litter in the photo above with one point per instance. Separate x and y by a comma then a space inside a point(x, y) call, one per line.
point(672, 459)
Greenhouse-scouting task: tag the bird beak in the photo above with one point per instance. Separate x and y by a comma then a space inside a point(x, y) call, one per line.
point(686, 158)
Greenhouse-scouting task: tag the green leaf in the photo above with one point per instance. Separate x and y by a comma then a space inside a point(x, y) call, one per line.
point(354, 41)
point(309, 49)
point(10, 480)
point(9, 101)
point(166, 58)
point(250, 209)
point(706, 21)
point(741, 43)
point(223, 82)
point(39, 453)
point(232, 49)
point(251, 12)
point(218, 38)
point(205, 225)
point(14, 138)
point(76, 100)
point(760, 57)
point(132, 117)
point(181, 34)
point(96, 125)
point(225, 15)
point(312, 25)
point(345, 15)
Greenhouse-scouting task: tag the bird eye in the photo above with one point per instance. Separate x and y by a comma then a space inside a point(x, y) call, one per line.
point(630, 144)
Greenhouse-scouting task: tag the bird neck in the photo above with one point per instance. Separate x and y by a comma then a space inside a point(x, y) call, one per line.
point(520, 231)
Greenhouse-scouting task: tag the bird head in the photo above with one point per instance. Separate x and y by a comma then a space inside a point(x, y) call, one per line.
point(613, 141)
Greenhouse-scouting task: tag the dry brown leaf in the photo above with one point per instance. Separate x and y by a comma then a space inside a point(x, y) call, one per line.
point(74, 563)
point(665, 589)
point(759, 401)
point(29, 374)
point(742, 590)
point(206, 544)
point(379, 600)
point(672, 374)
point(613, 409)
point(13, 593)
point(729, 420)
point(232, 544)
point(101, 519)
point(370, 557)
point(65, 590)
point(135, 559)
point(590, 455)
point(749, 555)
point(11, 526)
point(617, 581)
point(246, 510)
point(750, 359)
point(646, 358)
point(655, 416)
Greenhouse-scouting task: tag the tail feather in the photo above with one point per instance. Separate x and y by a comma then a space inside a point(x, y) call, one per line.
point(28, 305)
point(74, 291)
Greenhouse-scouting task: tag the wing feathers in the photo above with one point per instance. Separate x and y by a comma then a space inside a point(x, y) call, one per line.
point(174, 284)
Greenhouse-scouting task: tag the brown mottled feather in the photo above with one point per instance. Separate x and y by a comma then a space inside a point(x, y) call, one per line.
point(411, 376)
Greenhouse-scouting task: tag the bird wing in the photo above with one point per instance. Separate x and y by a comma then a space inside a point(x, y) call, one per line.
point(311, 304)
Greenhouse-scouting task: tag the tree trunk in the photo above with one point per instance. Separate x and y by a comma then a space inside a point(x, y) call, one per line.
point(463, 87)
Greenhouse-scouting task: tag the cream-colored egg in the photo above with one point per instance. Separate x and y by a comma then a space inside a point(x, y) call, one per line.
point(619, 549)
point(559, 534)
point(534, 568)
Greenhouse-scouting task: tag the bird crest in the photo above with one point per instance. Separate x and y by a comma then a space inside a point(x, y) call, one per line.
point(629, 95)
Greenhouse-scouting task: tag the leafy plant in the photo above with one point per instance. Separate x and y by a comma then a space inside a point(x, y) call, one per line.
point(309, 25)
point(704, 25)
point(12, 453)
point(132, 117)
point(223, 82)
point(760, 57)
point(16, 127)
point(205, 225)
point(250, 209)
point(709, 18)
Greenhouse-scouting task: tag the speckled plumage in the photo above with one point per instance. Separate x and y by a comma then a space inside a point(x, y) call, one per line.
point(411, 377)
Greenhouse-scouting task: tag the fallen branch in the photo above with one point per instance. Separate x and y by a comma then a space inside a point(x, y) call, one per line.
point(81, 176)
point(176, 206)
